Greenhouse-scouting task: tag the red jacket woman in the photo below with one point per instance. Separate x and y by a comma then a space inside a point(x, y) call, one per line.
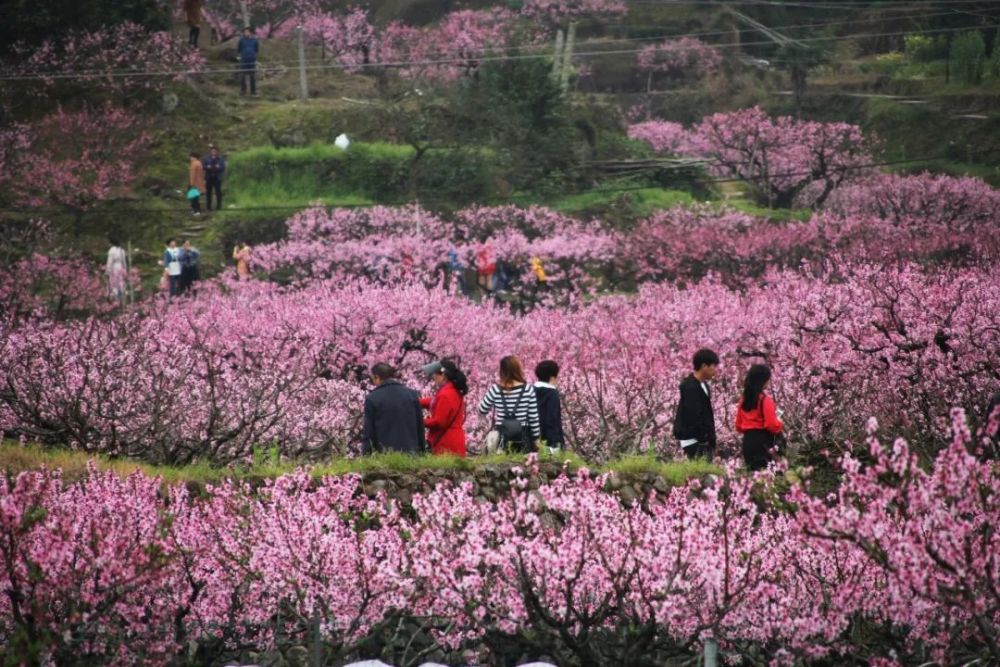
point(757, 419)
point(446, 423)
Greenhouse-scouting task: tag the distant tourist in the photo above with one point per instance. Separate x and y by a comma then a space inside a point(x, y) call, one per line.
point(215, 169)
point(515, 409)
point(241, 255)
point(116, 269)
point(456, 269)
point(694, 424)
point(485, 267)
point(758, 419)
point(549, 404)
point(393, 418)
point(446, 423)
point(196, 183)
point(189, 266)
point(247, 48)
point(192, 12)
point(172, 266)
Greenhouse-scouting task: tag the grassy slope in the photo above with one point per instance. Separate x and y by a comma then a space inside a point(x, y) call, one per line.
point(15, 458)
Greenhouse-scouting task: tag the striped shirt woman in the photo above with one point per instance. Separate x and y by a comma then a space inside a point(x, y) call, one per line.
point(513, 395)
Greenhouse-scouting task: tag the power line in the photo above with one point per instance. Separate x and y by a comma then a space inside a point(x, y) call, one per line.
point(463, 60)
point(502, 200)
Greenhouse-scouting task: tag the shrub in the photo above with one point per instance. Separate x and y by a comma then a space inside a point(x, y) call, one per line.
point(378, 171)
point(924, 48)
point(968, 56)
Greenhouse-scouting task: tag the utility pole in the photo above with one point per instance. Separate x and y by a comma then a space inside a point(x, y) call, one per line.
point(568, 56)
point(711, 653)
point(245, 11)
point(303, 86)
point(557, 55)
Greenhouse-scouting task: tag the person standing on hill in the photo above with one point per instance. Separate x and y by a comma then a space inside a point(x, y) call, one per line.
point(694, 424)
point(189, 266)
point(446, 423)
point(192, 12)
point(241, 255)
point(248, 48)
point(758, 419)
point(172, 266)
point(196, 183)
point(215, 169)
point(393, 419)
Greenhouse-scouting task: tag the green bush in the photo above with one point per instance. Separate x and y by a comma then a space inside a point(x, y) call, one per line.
point(968, 56)
point(372, 171)
point(994, 64)
point(924, 49)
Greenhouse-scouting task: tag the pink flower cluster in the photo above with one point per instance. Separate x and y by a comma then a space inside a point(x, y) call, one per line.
point(677, 58)
point(898, 567)
point(215, 377)
point(661, 135)
point(410, 244)
point(785, 160)
point(103, 59)
point(441, 52)
point(683, 244)
point(449, 49)
point(72, 159)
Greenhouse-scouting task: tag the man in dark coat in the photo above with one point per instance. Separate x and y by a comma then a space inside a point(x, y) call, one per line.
point(215, 169)
point(694, 425)
point(394, 420)
point(247, 48)
point(549, 405)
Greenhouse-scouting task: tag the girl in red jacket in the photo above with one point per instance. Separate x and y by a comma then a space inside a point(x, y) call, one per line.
point(757, 418)
point(446, 423)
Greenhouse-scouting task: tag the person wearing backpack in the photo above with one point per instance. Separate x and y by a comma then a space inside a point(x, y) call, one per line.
point(515, 405)
point(758, 419)
point(446, 423)
point(694, 424)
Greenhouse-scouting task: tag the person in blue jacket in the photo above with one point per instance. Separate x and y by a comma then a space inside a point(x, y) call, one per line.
point(215, 169)
point(248, 49)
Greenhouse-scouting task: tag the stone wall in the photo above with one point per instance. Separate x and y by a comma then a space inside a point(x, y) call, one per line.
point(490, 482)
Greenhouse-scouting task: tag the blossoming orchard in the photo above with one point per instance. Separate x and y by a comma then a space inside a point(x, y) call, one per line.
point(251, 252)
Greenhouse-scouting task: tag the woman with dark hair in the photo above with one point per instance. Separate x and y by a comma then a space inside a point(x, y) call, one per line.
point(446, 423)
point(515, 406)
point(757, 418)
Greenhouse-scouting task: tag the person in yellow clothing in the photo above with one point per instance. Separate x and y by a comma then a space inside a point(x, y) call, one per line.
point(539, 270)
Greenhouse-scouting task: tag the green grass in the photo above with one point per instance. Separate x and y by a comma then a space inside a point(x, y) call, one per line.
point(364, 173)
point(15, 458)
point(640, 202)
point(781, 214)
point(674, 472)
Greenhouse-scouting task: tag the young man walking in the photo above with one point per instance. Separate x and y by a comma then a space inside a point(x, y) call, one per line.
point(394, 420)
point(694, 425)
point(549, 404)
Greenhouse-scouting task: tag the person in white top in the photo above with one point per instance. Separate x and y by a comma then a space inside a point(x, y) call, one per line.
point(116, 269)
point(172, 264)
